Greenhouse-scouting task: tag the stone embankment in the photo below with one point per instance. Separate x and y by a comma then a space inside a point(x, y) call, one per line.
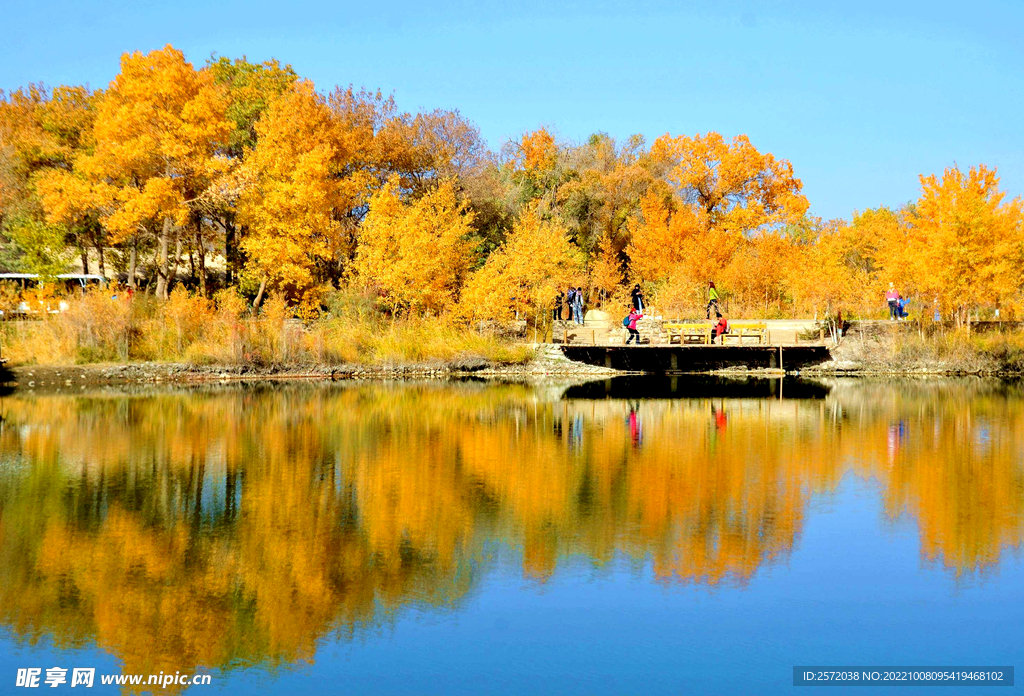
point(548, 361)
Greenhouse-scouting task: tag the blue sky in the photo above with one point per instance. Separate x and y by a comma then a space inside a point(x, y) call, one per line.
point(860, 98)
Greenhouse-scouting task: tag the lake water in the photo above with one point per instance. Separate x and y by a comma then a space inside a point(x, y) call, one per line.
point(636, 535)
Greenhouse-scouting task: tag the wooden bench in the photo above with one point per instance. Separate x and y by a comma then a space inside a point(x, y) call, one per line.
point(701, 332)
point(747, 329)
point(688, 333)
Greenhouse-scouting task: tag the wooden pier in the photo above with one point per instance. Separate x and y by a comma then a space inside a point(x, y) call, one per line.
point(669, 359)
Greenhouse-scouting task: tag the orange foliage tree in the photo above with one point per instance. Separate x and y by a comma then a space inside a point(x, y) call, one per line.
point(969, 241)
point(713, 198)
point(158, 132)
point(523, 276)
point(303, 190)
point(416, 254)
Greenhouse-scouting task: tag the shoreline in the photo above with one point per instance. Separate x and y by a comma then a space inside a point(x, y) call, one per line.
point(112, 374)
point(105, 374)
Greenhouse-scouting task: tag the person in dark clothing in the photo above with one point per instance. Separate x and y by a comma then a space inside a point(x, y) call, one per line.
point(577, 307)
point(556, 311)
point(634, 316)
point(892, 299)
point(638, 298)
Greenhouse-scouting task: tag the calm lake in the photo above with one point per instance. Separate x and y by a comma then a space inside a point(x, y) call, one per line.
point(635, 535)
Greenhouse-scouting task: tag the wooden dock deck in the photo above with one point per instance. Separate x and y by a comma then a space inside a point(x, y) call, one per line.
point(669, 359)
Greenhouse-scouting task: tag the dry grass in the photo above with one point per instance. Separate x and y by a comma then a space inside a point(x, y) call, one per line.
point(947, 351)
point(96, 328)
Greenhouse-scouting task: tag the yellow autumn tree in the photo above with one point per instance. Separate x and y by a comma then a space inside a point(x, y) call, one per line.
point(756, 274)
point(42, 133)
point(660, 236)
point(304, 189)
point(715, 195)
point(415, 254)
point(606, 271)
point(969, 240)
point(158, 132)
point(737, 187)
point(538, 150)
point(887, 249)
point(821, 278)
point(674, 249)
point(523, 276)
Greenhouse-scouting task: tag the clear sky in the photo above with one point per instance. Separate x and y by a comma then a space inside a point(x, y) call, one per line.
point(860, 98)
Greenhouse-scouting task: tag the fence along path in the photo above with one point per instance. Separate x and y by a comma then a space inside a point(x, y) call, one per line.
point(601, 329)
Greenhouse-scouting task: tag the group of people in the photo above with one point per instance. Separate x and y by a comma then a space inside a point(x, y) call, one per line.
point(897, 303)
point(636, 313)
point(572, 299)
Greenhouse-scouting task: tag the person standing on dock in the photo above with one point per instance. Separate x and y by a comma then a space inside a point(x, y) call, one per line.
point(634, 316)
point(556, 311)
point(892, 297)
point(712, 299)
point(577, 306)
point(638, 298)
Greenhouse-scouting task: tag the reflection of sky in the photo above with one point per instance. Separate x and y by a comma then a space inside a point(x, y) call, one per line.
point(853, 591)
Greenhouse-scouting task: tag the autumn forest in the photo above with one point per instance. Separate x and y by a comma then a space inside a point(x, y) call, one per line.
point(234, 182)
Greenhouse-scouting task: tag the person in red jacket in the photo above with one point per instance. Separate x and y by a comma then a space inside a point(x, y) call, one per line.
point(719, 329)
point(634, 316)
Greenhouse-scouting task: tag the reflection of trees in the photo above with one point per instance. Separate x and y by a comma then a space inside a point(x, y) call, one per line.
point(950, 453)
point(237, 527)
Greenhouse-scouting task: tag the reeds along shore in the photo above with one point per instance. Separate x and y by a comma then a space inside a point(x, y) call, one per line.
point(105, 327)
point(186, 328)
point(930, 348)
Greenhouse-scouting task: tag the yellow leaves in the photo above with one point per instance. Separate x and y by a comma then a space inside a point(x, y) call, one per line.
point(304, 189)
point(525, 273)
point(39, 130)
point(725, 203)
point(822, 276)
point(657, 237)
point(738, 188)
point(970, 242)
point(415, 254)
point(538, 150)
point(159, 197)
point(606, 273)
point(152, 112)
point(66, 198)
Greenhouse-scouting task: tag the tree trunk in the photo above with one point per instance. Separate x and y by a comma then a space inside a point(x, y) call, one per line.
point(229, 251)
point(202, 259)
point(103, 266)
point(259, 295)
point(133, 262)
point(202, 272)
point(162, 281)
point(177, 257)
point(85, 260)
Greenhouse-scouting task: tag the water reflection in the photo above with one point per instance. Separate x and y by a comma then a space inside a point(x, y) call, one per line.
point(223, 528)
